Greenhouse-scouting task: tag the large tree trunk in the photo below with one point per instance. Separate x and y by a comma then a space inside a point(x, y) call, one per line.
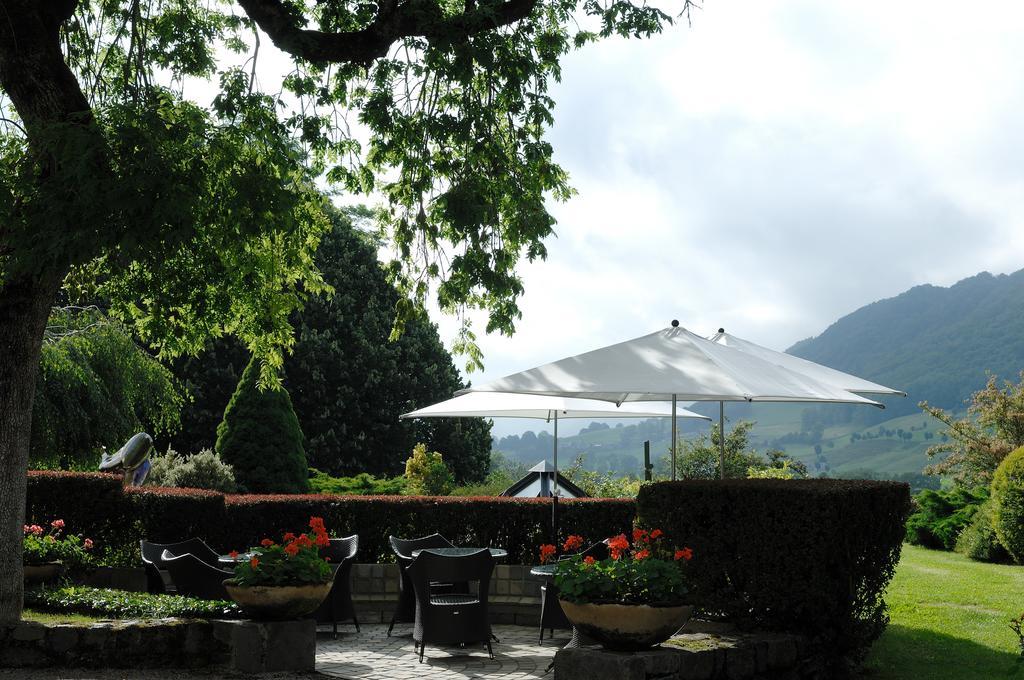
point(45, 93)
point(24, 307)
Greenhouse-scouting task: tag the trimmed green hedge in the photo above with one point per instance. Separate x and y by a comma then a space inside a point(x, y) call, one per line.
point(96, 506)
point(519, 525)
point(802, 555)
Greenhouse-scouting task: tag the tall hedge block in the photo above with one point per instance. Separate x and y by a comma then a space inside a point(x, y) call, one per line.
point(1008, 504)
point(812, 556)
point(261, 439)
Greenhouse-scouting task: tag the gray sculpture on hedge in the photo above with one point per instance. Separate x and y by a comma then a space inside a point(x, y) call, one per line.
point(132, 459)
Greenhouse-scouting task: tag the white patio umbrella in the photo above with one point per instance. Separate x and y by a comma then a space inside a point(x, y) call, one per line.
point(672, 364)
point(819, 372)
point(542, 407)
point(830, 376)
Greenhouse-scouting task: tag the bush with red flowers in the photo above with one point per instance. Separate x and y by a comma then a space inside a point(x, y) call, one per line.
point(646, 570)
point(51, 544)
point(294, 561)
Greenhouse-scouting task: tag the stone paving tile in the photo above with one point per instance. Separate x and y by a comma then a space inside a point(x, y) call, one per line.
point(371, 655)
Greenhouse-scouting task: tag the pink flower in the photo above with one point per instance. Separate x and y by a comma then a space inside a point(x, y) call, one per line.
point(28, 529)
point(57, 524)
point(36, 530)
point(88, 544)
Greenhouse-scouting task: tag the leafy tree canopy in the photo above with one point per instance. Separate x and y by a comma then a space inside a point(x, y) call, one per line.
point(96, 388)
point(348, 382)
point(977, 444)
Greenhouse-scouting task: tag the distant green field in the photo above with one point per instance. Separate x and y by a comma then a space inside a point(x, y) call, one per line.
point(949, 620)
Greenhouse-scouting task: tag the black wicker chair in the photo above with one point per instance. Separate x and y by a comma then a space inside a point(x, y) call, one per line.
point(193, 577)
point(405, 610)
point(338, 605)
point(152, 560)
point(451, 618)
point(551, 614)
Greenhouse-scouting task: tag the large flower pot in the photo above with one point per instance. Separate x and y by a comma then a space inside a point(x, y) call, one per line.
point(47, 572)
point(627, 627)
point(278, 602)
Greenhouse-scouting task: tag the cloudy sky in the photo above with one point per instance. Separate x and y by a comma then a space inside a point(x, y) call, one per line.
point(774, 166)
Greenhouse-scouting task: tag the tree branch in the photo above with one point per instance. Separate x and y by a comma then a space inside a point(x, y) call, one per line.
point(394, 21)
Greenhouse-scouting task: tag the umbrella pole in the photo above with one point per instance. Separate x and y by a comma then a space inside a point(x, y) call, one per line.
point(674, 438)
point(721, 439)
point(554, 493)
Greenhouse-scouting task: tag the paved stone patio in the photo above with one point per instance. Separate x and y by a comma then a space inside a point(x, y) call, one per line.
point(370, 655)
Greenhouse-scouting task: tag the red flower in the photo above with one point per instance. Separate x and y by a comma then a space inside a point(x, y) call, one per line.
point(233, 554)
point(573, 542)
point(289, 537)
point(254, 562)
point(322, 540)
point(656, 534)
point(266, 543)
point(588, 560)
point(684, 554)
point(639, 535)
point(547, 551)
point(88, 544)
point(317, 524)
point(303, 541)
point(292, 549)
point(642, 554)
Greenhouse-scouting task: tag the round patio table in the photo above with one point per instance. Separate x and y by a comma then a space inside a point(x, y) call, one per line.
point(496, 553)
point(232, 561)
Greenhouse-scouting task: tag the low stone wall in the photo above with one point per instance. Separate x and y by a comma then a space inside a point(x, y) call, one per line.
point(697, 654)
point(244, 646)
point(158, 643)
point(514, 596)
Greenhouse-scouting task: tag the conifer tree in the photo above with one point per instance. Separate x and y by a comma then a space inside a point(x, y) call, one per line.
point(261, 438)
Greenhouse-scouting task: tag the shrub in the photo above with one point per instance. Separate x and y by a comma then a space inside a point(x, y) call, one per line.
point(940, 516)
point(811, 556)
point(261, 439)
point(1008, 504)
point(204, 470)
point(360, 485)
point(120, 604)
point(978, 539)
point(49, 543)
point(162, 466)
point(426, 474)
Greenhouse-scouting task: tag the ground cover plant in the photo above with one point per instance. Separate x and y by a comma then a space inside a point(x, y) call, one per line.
point(120, 604)
point(950, 620)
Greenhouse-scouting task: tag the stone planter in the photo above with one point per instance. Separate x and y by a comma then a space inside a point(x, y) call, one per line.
point(627, 627)
point(46, 572)
point(278, 602)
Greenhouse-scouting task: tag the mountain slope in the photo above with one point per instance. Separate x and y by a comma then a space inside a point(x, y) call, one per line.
point(935, 343)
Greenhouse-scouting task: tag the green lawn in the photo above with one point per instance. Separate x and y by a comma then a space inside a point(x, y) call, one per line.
point(51, 618)
point(950, 620)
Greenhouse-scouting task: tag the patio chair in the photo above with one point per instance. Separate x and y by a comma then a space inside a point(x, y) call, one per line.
point(451, 618)
point(405, 609)
point(157, 579)
point(193, 577)
point(551, 614)
point(338, 605)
